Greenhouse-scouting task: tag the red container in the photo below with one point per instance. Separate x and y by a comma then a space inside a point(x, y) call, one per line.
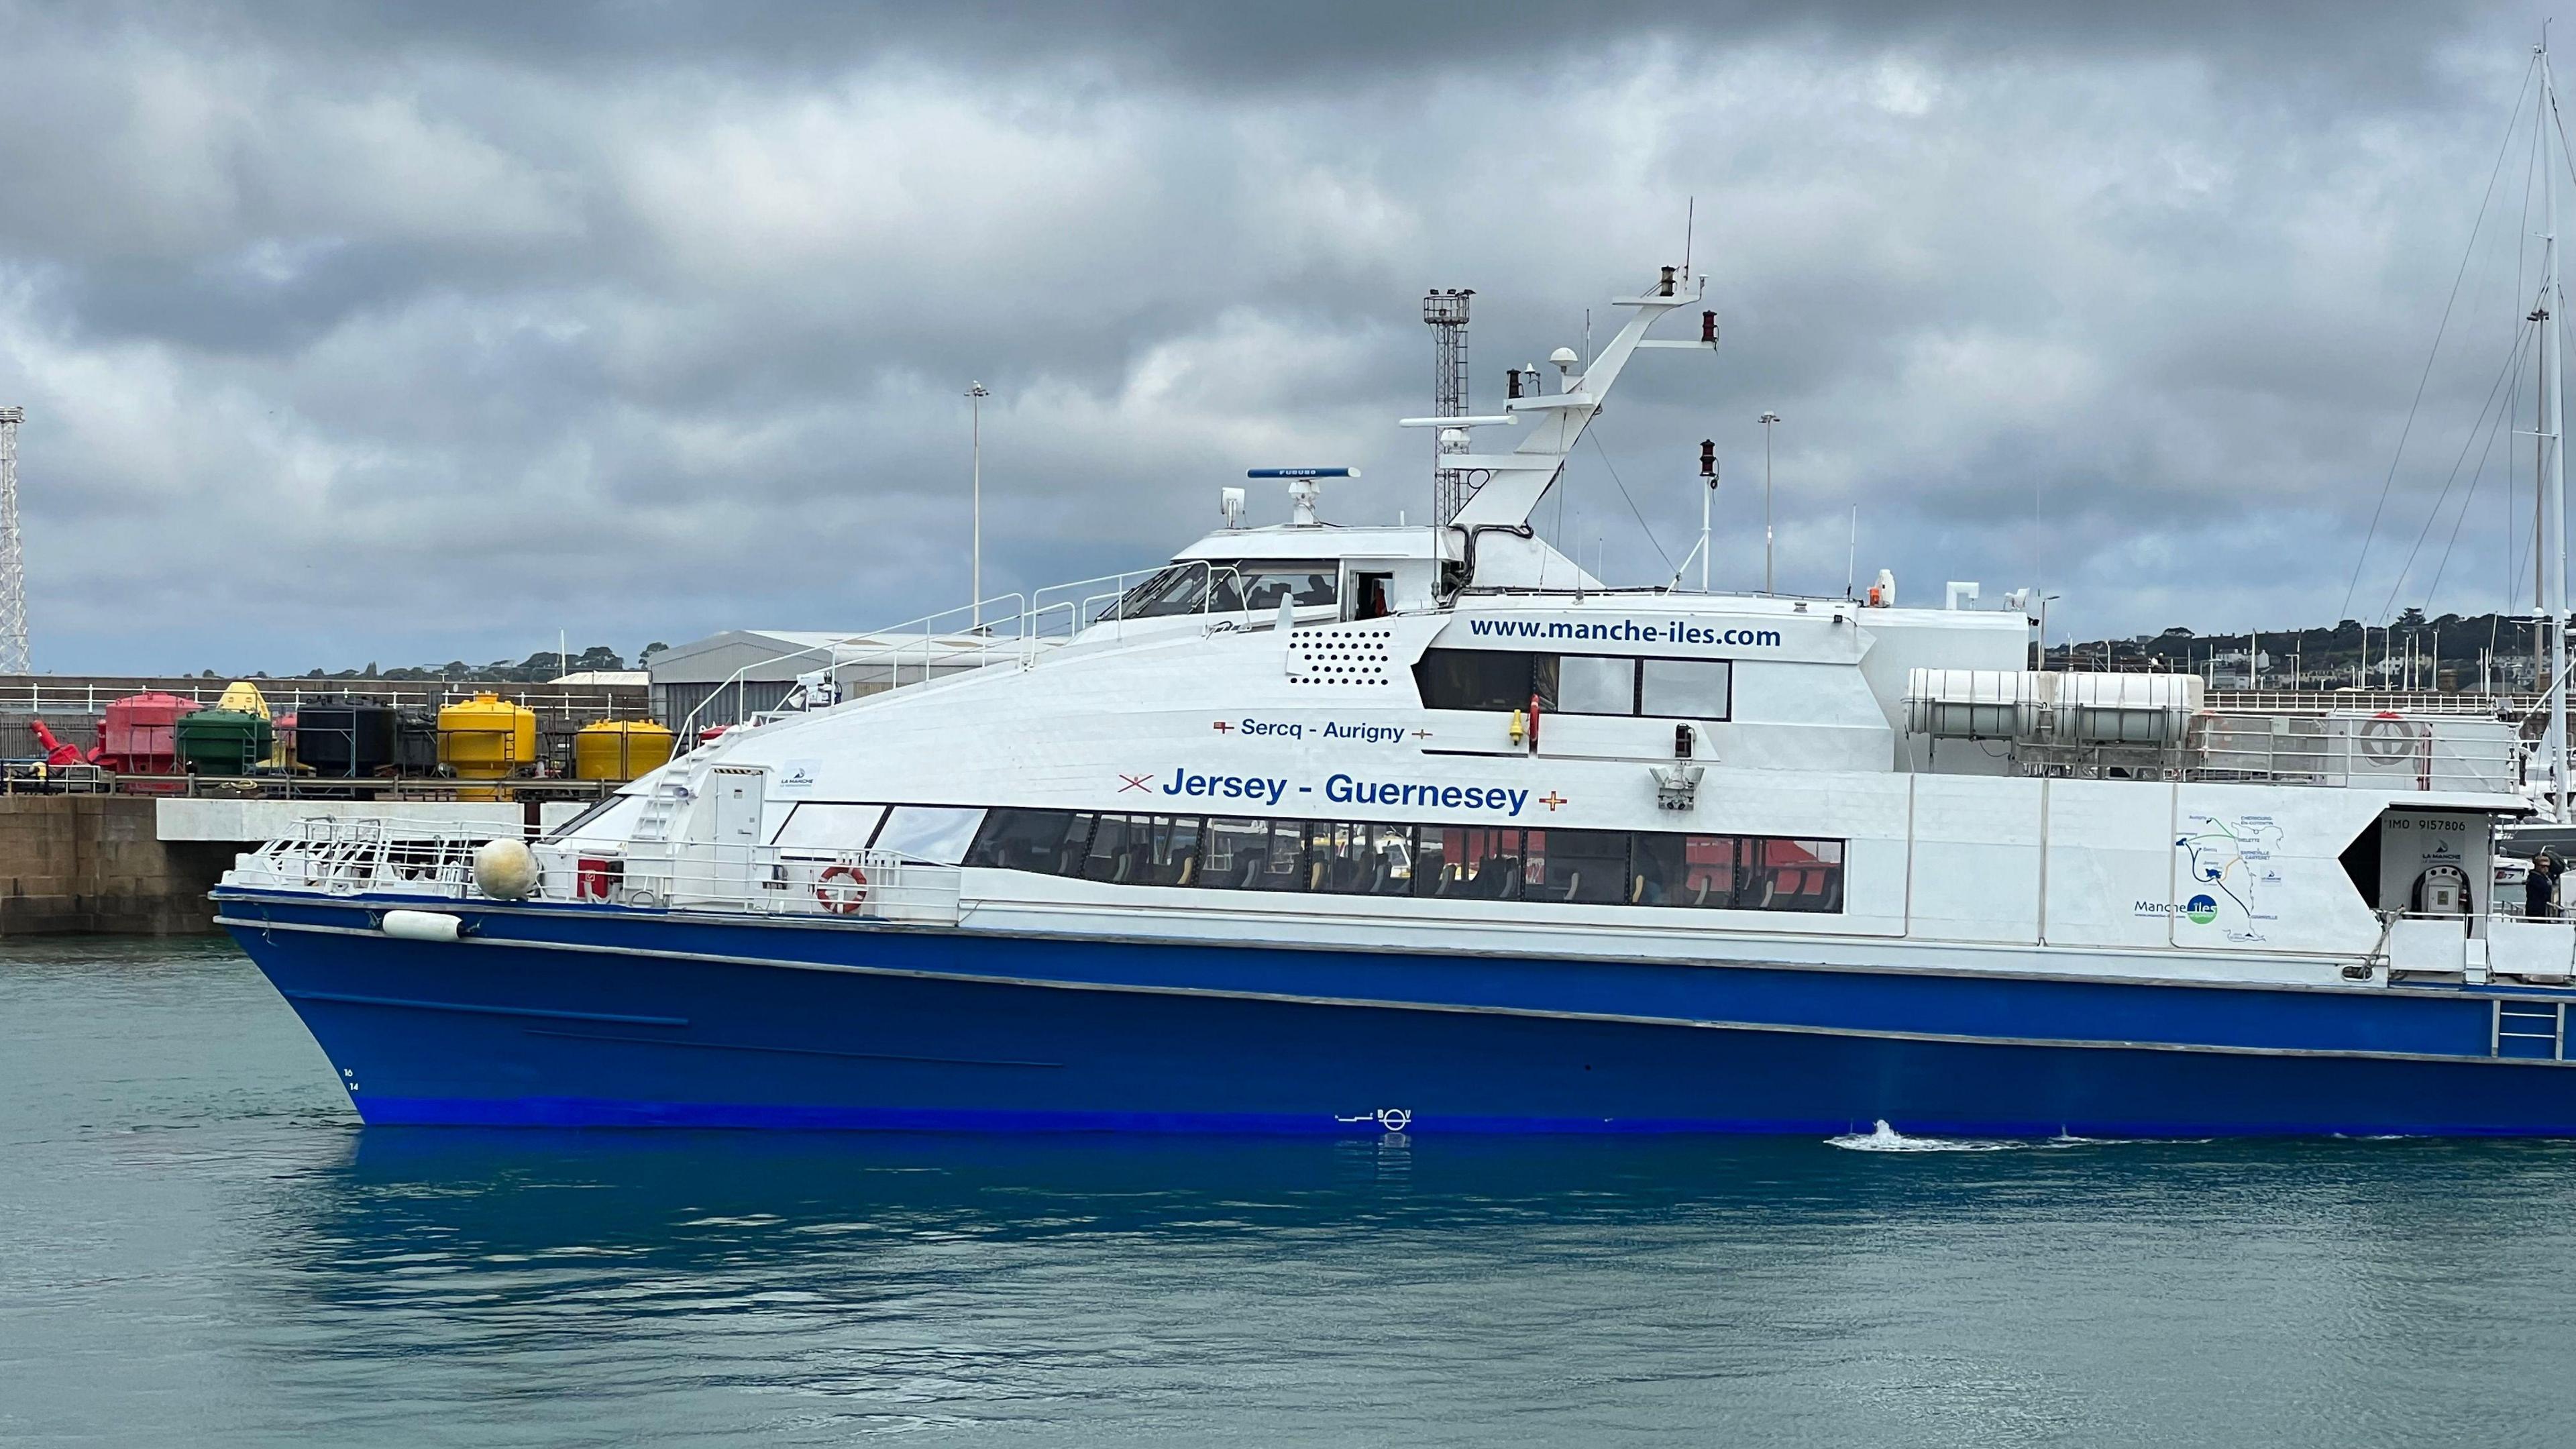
point(135, 738)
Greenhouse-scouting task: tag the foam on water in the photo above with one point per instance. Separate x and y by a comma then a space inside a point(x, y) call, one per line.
point(1883, 1138)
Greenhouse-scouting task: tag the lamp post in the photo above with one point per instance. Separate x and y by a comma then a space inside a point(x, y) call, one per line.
point(975, 395)
point(1767, 419)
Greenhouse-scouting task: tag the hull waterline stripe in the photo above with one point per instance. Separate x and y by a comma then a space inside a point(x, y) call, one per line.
point(1452, 1008)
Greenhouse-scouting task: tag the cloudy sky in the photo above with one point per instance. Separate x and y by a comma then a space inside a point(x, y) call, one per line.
point(411, 333)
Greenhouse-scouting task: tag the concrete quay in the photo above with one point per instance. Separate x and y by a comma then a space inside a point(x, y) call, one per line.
point(137, 865)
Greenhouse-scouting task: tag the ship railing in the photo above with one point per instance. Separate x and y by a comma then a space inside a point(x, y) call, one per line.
point(954, 642)
point(766, 880)
point(340, 856)
point(947, 643)
point(2462, 753)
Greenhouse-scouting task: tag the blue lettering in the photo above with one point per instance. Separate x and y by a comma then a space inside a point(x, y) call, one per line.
point(1519, 797)
point(1277, 789)
point(1338, 789)
point(1450, 796)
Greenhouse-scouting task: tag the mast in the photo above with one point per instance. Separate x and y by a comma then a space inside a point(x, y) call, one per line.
point(2554, 534)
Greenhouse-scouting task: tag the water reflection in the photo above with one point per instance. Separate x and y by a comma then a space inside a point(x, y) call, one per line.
point(830, 1285)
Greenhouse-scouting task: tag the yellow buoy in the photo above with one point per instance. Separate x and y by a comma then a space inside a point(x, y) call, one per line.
point(486, 738)
point(244, 696)
point(620, 749)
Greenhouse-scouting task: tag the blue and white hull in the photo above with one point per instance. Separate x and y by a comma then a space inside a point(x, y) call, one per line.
point(570, 1015)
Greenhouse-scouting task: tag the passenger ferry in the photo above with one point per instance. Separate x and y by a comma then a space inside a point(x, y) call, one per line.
point(1425, 829)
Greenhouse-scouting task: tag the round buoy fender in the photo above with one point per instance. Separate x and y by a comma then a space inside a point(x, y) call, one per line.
point(842, 889)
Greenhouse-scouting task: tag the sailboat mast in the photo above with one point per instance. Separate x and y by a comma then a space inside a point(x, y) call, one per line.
point(2554, 531)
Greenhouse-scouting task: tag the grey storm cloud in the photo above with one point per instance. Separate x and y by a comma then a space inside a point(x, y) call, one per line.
point(415, 332)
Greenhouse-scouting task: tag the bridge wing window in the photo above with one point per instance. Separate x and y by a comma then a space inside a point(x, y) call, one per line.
point(1180, 589)
point(822, 825)
point(937, 834)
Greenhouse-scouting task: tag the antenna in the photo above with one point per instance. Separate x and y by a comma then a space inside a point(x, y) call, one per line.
point(1446, 312)
point(1690, 214)
point(13, 558)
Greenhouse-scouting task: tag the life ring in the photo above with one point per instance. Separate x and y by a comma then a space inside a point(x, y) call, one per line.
point(846, 900)
point(2388, 738)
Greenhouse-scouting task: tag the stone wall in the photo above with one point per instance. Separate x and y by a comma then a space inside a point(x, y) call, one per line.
point(95, 863)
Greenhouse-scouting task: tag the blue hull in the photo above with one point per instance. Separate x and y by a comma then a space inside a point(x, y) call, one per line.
point(573, 1016)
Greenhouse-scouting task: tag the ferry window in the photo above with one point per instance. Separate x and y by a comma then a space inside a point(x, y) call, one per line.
point(1685, 688)
point(1112, 856)
point(1488, 679)
point(1390, 860)
point(937, 834)
point(1580, 867)
point(1590, 684)
point(818, 825)
point(1143, 850)
point(1479, 865)
point(1029, 840)
point(1337, 857)
point(1350, 858)
point(1255, 855)
point(1795, 875)
point(1172, 855)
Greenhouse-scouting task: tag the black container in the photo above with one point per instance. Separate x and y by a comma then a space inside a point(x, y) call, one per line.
point(415, 742)
point(347, 739)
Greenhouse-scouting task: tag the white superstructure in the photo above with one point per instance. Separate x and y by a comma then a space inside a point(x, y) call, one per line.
point(1454, 739)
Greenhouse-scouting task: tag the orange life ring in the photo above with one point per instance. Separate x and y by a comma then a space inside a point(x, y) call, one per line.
point(846, 900)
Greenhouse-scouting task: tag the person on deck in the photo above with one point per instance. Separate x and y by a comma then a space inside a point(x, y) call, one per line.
point(2540, 888)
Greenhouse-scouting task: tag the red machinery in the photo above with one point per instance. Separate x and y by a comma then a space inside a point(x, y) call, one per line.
point(56, 752)
point(136, 738)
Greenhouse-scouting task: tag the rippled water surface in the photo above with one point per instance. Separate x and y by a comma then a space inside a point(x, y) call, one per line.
point(199, 1245)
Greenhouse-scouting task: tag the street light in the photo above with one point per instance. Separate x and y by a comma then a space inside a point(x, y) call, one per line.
point(1767, 419)
point(975, 395)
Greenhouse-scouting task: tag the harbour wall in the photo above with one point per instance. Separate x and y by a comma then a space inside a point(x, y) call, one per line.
point(135, 865)
point(96, 863)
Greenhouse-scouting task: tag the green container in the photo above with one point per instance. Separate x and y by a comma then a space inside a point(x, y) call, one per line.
point(221, 741)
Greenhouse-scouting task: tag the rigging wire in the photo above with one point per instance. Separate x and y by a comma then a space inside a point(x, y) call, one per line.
point(2511, 369)
point(2495, 430)
point(2512, 124)
point(1651, 541)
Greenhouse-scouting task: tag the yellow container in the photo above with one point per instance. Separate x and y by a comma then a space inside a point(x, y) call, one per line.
point(484, 738)
point(620, 749)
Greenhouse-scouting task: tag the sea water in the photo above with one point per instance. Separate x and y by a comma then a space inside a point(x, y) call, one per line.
point(199, 1245)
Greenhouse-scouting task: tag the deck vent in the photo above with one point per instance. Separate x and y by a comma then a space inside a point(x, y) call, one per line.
point(1340, 654)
